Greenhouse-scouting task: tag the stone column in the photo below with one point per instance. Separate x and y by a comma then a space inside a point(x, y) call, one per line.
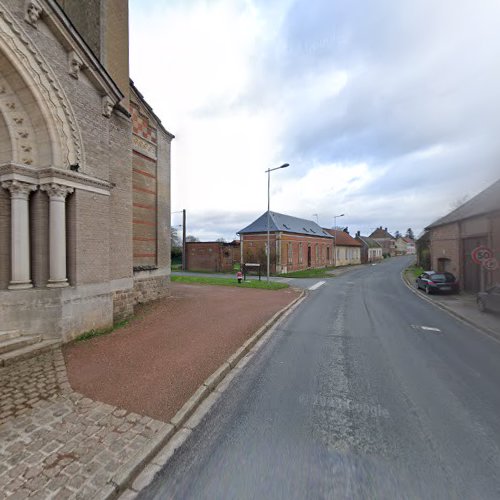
point(20, 233)
point(57, 233)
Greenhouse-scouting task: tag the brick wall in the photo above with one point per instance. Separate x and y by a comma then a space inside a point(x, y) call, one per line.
point(212, 256)
point(445, 243)
point(39, 233)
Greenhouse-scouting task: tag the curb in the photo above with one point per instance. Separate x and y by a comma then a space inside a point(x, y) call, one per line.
point(138, 471)
point(483, 329)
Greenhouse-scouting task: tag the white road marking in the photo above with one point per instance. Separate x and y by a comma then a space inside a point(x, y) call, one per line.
point(430, 328)
point(317, 285)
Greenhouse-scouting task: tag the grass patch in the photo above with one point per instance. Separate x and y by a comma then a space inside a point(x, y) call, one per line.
point(176, 267)
point(229, 282)
point(101, 331)
point(310, 273)
point(415, 271)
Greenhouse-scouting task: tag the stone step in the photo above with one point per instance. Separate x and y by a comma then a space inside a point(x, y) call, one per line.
point(9, 334)
point(18, 343)
point(29, 351)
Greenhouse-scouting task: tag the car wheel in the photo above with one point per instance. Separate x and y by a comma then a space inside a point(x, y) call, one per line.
point(481, 306)
point(427, 290)
point(417, 285)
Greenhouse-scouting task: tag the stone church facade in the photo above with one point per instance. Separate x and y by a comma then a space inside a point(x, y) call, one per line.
point(84, 171)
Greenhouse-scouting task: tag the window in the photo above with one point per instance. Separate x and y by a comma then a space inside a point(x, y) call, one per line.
point(328, 254)
point(300, 253)
point(290, 253)
point(317, 253)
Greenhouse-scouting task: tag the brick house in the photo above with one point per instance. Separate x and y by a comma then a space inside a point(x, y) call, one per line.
point(296, 243)
point(385, 240)
point(453, 238)
point(371, 251)
point(84, 171)
point(214, 256)
point(347, 250)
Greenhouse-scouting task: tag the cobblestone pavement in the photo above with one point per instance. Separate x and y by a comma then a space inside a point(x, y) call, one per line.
point(54, 442)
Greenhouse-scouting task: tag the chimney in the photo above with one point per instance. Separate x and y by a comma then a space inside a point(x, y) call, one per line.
point(358, 234)
point(386, 229)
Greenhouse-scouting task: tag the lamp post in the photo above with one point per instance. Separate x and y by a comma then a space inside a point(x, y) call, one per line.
point(268, 171)
point(335, 239)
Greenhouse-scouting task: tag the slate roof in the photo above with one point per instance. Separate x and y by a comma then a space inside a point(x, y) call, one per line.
point(286, 224)
point(382, 233)
point(343, 239)
point(485, 202)
point(369, 242)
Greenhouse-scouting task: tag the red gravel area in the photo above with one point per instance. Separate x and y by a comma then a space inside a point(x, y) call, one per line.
point(154, 364)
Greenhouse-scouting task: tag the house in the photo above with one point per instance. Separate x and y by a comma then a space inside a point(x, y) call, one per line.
point(295, 243)
point(213, 256)
point(466, 241)
point(400, 246)
point(84, 172)
point(371, 250)
point(411, 248)
point(347, 250)
point(386, 241)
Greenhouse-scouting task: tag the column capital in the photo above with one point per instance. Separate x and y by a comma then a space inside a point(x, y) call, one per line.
point(56, 191)
point(18, 189)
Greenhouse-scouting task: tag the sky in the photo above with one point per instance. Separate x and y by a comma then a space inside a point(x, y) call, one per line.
point(387, 111)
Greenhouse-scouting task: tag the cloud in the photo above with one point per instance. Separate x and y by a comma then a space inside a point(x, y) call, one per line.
point(386, 110)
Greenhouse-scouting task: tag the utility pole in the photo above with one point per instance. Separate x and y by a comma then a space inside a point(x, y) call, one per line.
point(184, 260)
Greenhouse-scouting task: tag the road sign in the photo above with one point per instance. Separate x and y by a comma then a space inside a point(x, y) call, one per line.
point(490, 264)
point(480, 254)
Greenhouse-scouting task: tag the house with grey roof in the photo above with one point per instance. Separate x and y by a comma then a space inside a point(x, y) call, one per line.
point(295, 243)
point(466, 241)
point(371, 250)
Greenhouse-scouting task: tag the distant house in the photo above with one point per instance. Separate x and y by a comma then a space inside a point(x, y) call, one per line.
point(400, 246)
point(371, 250)
point(455, 237)
point(411, 248)
point(385, 240)
point(214, 256)
point(295, 243)
point(347, 250)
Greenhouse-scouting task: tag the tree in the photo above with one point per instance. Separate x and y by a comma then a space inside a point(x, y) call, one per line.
point(220, 240)
point(409, 233)
point(397, 235)
point(191, 239)
point(175, 240)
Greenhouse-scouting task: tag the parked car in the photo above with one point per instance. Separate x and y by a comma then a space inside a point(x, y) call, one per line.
point(489, 300)
point(433, 282)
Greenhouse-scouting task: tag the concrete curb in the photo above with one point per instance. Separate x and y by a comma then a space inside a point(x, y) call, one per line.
point(137, 472)
point(464, 319)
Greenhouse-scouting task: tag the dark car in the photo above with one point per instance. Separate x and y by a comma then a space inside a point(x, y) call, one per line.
point(489, 300)
point(433, 282)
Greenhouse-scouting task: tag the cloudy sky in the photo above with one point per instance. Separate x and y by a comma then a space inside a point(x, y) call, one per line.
point(387, 110)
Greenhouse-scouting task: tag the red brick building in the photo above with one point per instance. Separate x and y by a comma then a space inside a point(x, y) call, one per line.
point(214, 256)
point(454, 237)
point(295, 243)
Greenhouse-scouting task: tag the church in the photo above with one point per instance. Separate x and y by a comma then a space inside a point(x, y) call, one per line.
point(84, 172)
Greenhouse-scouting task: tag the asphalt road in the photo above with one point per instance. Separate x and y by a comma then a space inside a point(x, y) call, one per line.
point(351, 398)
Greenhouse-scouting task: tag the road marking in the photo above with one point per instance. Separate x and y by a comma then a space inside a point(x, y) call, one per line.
point(426, 328)
point(317, 285)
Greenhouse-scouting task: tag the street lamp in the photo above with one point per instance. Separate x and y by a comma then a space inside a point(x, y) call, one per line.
point(268, 171)
point(335, 238)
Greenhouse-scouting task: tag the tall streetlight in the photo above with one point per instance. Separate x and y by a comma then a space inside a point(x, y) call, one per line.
point(268, 171)
point(335, 239)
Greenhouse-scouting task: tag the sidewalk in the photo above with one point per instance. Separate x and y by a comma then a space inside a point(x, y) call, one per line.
point(463, 306)
point(65, 441)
